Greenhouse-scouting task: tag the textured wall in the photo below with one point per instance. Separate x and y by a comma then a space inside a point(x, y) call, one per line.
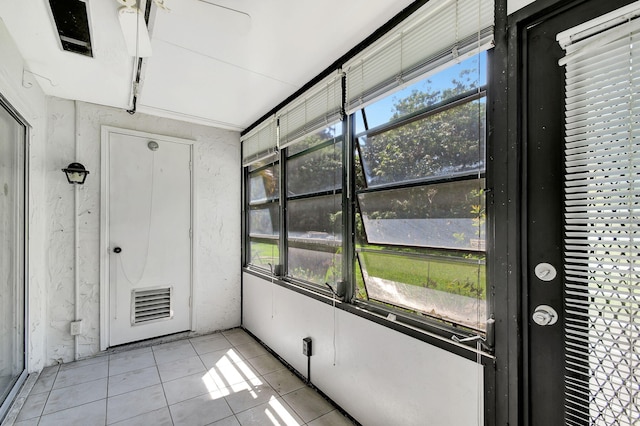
point(23, 93)
point(217, 161)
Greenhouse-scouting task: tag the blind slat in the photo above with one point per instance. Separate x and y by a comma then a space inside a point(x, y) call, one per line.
point(258, 143)
point(319, 107)
point(441, 32)
point(602, 226)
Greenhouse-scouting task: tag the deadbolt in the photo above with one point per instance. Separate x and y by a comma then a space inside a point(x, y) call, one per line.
point(545, 315)
point(117, 250)
point(545, 271)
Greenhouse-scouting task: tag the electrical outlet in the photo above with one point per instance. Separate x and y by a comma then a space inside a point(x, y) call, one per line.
point(76, 327)
point(306, 346)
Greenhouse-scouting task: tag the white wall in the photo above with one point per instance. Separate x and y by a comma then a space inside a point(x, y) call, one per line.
point(217, 159)
point(515, 5)
point(380, 376)
point(54, 124)
point(24, 94)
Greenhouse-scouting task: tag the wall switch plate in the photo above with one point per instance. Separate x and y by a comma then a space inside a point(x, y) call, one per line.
point(76, 327)
point(306, 346)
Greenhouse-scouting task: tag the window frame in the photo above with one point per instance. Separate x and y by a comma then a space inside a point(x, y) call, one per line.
point(435, 332)
point(423, 320)
point(339, 190)
point(248, 207)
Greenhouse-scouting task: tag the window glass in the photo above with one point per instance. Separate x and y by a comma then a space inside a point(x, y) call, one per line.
point(316, 171)
point(264, 220)
point(318, 264)
point(459, 78)
point(447, 215)
point(315, 239)
point(443, 144)
point(264, 253)
point(314, 207)
point(420, 229)
point(449, 288)
point(264, 184)
point(317, 219)
point(328, 133)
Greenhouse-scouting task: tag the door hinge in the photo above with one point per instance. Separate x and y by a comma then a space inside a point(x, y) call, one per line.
point(190, 166)
point(190, 233)
point(190, 301)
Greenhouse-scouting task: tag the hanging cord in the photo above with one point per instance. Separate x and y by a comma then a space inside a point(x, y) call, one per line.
point(272, 287)
point(334, 297)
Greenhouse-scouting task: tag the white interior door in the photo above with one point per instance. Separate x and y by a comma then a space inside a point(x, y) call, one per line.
point(149, 236)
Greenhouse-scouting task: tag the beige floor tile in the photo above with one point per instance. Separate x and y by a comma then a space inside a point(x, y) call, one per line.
point(308, 404)
point(189, 387)
point(212, 344)
point(241, 399)
point(133, 380)
point(86, 373)
point(274, 412)
point(201, 410)
point(72, 396)
point(132, 404)
point(173, 351)
point(91, 414)
point(180, 368)
point(227, 421)
point(159, 417)
point(124, 362)
point(284, 381)
point(265, 364)
point(251, 350)
point(333, 418)
point(45, 380)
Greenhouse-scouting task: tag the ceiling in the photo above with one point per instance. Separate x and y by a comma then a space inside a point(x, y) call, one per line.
point(223, 63)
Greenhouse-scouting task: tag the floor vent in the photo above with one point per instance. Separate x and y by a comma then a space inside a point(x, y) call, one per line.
point(151, 304)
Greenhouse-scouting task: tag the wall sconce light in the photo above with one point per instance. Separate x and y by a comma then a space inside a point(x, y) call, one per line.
point(76, 173)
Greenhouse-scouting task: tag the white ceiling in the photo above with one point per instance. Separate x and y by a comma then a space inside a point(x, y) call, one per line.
point(210, 64)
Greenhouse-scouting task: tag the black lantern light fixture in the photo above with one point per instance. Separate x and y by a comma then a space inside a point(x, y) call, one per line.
point(76, 173)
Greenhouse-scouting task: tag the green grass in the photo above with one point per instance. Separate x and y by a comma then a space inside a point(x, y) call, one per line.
point(263, 253)
point(445, 274)
point(448, 275)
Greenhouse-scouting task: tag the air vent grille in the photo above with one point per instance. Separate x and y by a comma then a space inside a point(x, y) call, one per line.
point(151, 305)
point(72, 23)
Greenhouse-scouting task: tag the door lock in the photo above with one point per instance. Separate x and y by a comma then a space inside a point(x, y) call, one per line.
point(117, 250)
point(544, 315)
point(545, 271)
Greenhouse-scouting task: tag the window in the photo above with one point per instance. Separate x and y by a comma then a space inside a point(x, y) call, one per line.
point(379, 174)
point(264, 214)
point(314, 207)
point(420, 200)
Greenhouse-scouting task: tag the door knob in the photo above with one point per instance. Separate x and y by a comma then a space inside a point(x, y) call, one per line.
point(544, 315)
point(117, 250)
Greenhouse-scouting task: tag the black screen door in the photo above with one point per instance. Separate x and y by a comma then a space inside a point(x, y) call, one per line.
point(543, 91)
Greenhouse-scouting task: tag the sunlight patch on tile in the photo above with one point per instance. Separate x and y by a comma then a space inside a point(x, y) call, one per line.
point(283, 414)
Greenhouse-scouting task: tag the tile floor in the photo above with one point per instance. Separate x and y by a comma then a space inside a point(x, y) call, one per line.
point(222, 379)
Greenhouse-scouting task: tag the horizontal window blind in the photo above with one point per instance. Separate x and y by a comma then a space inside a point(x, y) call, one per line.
point(602, 227)
point(440, 32)
point(259, 142)
point(316, 109)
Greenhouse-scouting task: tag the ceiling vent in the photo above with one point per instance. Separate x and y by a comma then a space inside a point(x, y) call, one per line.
point(72, 23)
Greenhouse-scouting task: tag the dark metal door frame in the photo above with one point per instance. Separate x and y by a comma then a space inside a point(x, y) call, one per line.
point(534, 106)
